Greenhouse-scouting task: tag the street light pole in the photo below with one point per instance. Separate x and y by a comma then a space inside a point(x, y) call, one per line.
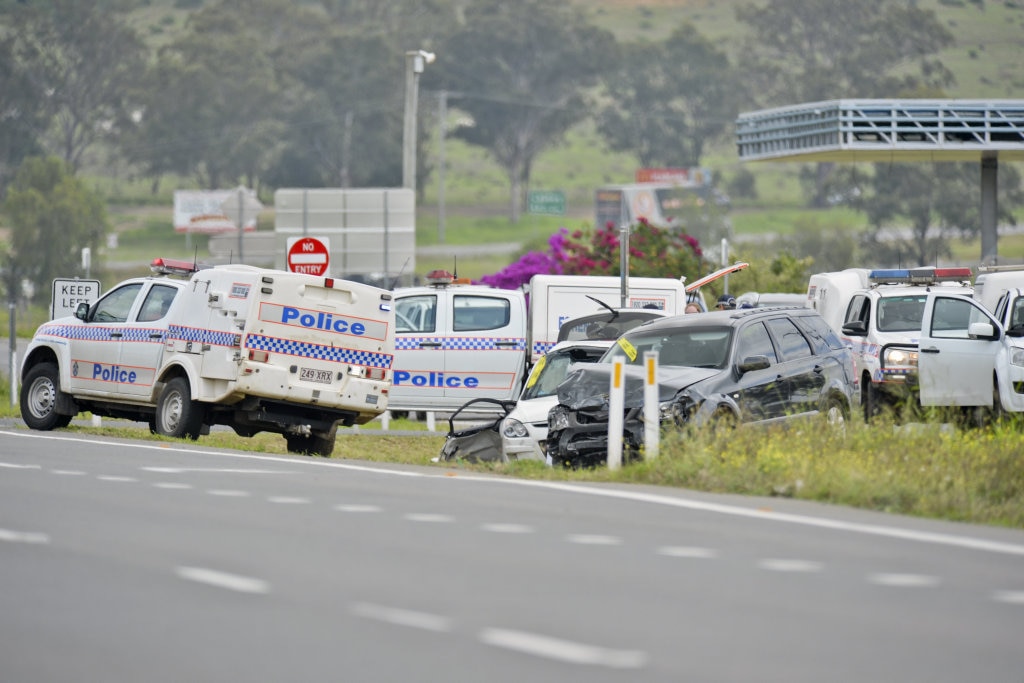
point(415, 61)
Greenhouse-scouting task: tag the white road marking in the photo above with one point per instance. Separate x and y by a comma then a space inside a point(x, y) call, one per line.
point(172, 485)
point(215, 470)
point(1009, 597)
point(234, 582)
point(288, 500)
point(688, 551)
point(74, 473)
point(23, 537)
point(783, 565)
point(500, 528)
point(402, 617)
point(112, 477)
point(228, 493)
point(593, 539)
point(355, 507)
point(953, 540)
point(904, 580)
point(562, 650)
point(19, 466)
point(429, 517)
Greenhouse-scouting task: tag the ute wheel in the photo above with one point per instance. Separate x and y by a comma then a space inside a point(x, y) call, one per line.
point(870, 400)
point(310, 445)
point(39, 399)
point(177, 415)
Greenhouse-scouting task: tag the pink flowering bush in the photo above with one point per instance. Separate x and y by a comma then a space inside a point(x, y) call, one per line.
point(653, 252)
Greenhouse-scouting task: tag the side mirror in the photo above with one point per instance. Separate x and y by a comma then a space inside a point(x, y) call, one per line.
point(982, 330)
point(856, 328)
point(82, 312)
point(751, 363)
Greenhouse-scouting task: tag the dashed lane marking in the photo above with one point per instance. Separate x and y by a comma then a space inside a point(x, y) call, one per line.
point(219, 579)
point(228, 493)
point(904, 580)
point(32, 537)
point(355, 507)
point(429, 517)
point(116, 478)
point(1009, 597)
point(784, 565)
point(288, 500)
point(688, 551)
point(505, 528)
point(562, 650)
point(593, 539)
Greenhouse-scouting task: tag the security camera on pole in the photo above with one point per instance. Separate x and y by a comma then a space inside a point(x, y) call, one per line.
point(416, 60)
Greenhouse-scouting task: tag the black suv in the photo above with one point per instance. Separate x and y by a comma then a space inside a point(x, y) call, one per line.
point(745, 366)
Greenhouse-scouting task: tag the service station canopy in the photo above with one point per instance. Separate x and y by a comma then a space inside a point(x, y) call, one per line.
point(984, 131)
point(884, 131)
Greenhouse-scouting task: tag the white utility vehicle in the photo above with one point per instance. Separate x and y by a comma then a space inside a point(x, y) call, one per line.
point(971, 356)
point(251, 348)
point(881, 321)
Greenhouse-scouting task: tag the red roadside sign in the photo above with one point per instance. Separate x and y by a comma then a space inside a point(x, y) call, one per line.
point(308, 255)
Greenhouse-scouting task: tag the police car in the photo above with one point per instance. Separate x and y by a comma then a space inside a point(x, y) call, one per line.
point(882, 323)
point(190, 347)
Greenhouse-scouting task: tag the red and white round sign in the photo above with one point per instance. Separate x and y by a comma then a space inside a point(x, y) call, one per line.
point(308, 255)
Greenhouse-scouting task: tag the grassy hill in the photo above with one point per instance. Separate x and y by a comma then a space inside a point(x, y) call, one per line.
point(986, 60)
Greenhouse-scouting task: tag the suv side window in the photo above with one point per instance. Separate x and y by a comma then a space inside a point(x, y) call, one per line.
point(114, 307)
point(792, 343)
point(157, 303)
point(416, 314)
point(821, 334)
point(472, 313)
point(754, 340)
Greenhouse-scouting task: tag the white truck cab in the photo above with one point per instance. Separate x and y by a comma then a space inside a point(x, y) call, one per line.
point(456, 341)
point(881, 321)
point(971, 356)
point(252, 348)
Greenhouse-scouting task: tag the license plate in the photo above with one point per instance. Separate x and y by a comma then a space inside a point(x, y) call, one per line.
point(314, 375)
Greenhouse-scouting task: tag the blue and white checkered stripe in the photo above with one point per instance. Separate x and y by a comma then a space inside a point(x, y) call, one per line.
point(335, 354)
point(540, 348)
point(97, 333)
point(403, 343)
point(201, 336)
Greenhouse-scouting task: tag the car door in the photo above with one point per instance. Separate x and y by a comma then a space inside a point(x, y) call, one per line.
point(420, 323)
point(761, 394)
point(802, 374)
point(143, 341)
point(954, 367)
point(95, 344)
point(486, 350)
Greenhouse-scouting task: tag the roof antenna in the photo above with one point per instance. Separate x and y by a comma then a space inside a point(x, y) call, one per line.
point(195, 259)
point(395, 281)
point(456, 273)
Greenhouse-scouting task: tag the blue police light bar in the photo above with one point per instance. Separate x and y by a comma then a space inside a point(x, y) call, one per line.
point(922, 276)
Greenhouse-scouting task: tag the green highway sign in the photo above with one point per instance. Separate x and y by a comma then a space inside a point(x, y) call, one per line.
point(546, 201)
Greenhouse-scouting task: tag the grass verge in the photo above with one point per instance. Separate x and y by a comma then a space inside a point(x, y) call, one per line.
point(928, 470)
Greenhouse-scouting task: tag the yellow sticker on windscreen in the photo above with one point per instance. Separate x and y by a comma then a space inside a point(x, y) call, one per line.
point(535, 373)
point(627, 347)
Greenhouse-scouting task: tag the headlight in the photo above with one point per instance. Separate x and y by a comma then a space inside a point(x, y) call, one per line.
point(558, 418)
point(512, 428)
point(1017, 356)
point(665, 410)
point(900, 358)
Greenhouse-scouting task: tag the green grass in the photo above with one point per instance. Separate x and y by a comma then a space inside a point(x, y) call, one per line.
point(927, 470)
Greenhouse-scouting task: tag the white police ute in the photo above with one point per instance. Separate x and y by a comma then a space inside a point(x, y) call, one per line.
point(191, 347)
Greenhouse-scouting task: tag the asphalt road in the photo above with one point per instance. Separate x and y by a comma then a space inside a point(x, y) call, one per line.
point(135, 561)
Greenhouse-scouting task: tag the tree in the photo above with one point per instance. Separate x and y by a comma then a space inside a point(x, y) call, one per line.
point(668, 100)
point(21, 120)
point(520, 71)
point(81, 60)
point(939, 200)
point(52, 216)
point(813, 50)
point(212, 100)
